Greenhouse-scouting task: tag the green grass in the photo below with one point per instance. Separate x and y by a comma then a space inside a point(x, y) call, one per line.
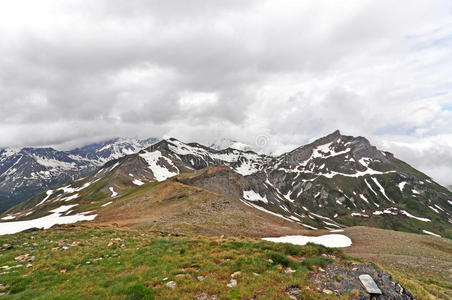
point(129, 264)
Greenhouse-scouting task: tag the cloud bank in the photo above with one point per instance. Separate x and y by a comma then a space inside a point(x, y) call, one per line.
point(74, 72)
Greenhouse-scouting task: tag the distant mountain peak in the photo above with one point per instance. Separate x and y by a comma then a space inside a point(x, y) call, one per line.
point(26, 171)
point(224, 143)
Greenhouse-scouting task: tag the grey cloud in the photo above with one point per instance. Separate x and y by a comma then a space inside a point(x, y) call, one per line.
point(96, 69)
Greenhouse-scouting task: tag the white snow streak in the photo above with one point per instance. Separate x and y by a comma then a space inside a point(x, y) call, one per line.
point(431, 233)
point(328, 240)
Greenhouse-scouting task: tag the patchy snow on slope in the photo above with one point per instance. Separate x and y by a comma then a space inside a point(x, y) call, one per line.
point(391, 211)
point(382, 190)
point(246, 169)
point(54, 164)
point(414, 217)
point(112, 167)
point(331, 224)
point(415, 192)
point(9, 217)
point(253, 196)
point(328, 240)
point(45, 222)
point(113, 193)
point(439, 207)
point(137, 182)
point(267, 211)
point(69, 190)
point(48, 193)
point(75, 196)
point(402, 185)
point(364, 198)
point(160, 172)
point(370, 187)
point(434, 209)
point(359, 215)
point(430, 233)
point(105, 204)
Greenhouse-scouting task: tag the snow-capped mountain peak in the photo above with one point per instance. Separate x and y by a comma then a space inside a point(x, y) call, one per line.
point(225, 143)
point(26, 171)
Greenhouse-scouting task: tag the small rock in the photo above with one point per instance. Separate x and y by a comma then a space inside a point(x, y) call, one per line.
point(29, 265)
point(165, 279)
point(180, 275)
point(289, 271)
point(202, 296)
point(326, 291)
point(255, 274)
point(21, 257)
point(232, 283)
point(321, 270)
point(235, 274)
point(293, 291)
point(171, 285)
point(270, 260)
point(200, 278)
point(88, 262)
point(63, 271)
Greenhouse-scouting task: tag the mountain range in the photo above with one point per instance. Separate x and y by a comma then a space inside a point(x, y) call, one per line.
point(335, 182)
point(27, 171)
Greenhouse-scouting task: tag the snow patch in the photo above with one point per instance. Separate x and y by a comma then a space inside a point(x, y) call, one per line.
point(414, 217)
point(382, 190)
point(253, 196)
point(108, 203)
point(137, 182)
point(359, 215)
point(45, 222)
point(161, 173)
point(402, 185)
point(70, 197)
point(113, 193)
point(328, 240)
point(48, 193)
point(430, 233)
point(364, 198)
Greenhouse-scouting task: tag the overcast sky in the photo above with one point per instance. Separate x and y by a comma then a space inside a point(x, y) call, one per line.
point(286, 72)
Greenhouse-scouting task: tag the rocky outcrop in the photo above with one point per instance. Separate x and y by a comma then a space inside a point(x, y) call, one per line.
point(340, 279)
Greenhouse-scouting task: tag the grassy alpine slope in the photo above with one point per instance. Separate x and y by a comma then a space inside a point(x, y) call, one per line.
point(84, 262)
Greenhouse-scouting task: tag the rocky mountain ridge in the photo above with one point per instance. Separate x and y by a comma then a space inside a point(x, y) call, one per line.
point(334, 182)
point(27, 171)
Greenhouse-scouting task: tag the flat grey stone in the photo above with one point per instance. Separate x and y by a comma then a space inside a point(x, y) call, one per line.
point(369, 284)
